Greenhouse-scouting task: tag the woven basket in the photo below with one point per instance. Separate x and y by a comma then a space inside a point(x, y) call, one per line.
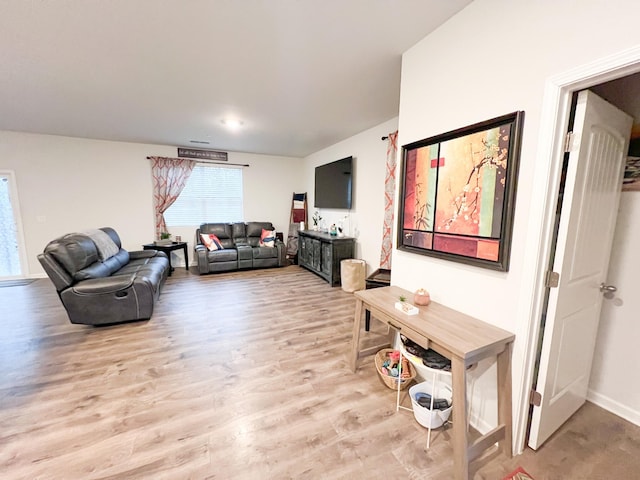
point(389, 381)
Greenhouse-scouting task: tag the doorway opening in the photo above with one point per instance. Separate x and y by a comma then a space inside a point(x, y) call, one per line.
point(11, 265)
point(557, 112)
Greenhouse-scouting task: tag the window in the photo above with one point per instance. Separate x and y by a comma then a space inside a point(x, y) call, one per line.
point(212, 194)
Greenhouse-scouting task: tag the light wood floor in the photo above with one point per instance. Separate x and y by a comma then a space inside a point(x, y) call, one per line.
point(236, 376)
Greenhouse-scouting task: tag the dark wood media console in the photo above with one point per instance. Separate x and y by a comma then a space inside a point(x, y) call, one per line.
point(322, 253)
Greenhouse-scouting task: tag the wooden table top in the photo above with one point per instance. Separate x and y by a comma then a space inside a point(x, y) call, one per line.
point(462, 335)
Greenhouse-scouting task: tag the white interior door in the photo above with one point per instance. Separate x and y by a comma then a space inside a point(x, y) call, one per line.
point(589, 210)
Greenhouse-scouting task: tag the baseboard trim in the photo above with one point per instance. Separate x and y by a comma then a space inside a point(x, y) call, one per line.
point(614, 407)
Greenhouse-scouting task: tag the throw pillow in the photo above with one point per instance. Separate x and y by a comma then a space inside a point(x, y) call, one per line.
point(268, 238)
point(211, 241)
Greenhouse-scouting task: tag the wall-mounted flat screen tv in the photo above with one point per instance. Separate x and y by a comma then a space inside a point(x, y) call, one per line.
point(334, 184)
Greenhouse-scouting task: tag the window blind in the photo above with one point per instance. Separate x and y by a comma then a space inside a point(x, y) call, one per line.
point(212, 194)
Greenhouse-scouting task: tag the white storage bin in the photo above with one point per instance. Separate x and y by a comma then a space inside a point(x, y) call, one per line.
point(431, 418)
point(352, 274)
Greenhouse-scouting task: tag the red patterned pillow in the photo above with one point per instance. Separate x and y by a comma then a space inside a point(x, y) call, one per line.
point(211, 242)
point(268, 238)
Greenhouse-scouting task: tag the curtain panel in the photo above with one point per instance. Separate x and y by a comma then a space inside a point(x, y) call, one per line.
point(169, 176)
point(389, 193)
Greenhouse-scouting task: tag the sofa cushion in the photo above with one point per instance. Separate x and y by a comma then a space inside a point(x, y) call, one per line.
point(268, 238)
point(264, 252)
point(239, 233)
point(103, 269)
point(211, 241)
point(254, 232)
point(225, 255)
point(113, 234)
point(73, 251)
point(221, 230)
point(254, 229)
point(105, 246)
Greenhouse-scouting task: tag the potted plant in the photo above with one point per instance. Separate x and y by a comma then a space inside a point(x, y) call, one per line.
point(165, 239)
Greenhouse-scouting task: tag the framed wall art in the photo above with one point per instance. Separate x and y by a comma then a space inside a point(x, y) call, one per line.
point(457, 193)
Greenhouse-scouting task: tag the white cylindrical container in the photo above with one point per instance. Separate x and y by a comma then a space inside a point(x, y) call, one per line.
point(352, 275)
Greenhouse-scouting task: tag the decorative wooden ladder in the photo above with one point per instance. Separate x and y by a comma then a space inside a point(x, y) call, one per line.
point(298, 214)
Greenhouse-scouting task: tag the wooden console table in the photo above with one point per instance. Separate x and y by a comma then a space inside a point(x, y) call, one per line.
point(464, 340)
point(322, 253)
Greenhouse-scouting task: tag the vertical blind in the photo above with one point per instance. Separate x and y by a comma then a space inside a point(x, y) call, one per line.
point(212, 194)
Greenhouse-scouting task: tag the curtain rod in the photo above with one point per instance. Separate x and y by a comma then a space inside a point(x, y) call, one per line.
point(216, 163)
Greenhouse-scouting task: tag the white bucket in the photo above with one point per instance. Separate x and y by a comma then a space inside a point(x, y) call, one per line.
point(431, 418)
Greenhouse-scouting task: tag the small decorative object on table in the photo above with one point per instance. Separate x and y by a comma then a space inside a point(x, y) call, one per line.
point(405, 307)
point(165, 239)
point(316, 220)
point(341, 228)
point(333, 230)
point(421, 297)
point(387, 363)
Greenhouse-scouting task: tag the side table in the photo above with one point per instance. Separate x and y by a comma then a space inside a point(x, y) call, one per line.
point(168, 249)
point(462, 339)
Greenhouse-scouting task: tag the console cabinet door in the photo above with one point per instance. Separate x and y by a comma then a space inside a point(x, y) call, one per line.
point(303, 255)
point(326, 264)
point(316, 254)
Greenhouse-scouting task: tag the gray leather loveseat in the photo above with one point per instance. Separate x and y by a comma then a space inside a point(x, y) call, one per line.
point(239, 247)
point(101, 283)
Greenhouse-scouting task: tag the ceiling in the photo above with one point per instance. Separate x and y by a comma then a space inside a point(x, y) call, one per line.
point(300, 74)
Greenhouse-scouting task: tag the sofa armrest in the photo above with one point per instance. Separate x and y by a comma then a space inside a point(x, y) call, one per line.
point(144, 254)
point(103, 285)
point(201, 257)
point(282, 253)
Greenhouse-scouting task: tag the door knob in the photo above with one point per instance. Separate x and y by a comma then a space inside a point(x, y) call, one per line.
point(607, 288)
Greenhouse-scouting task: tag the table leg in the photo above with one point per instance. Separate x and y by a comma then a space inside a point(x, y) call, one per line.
point(504, 400)
point(186, 258)
point(355, 340)
point(460, 442)
point(168, 252)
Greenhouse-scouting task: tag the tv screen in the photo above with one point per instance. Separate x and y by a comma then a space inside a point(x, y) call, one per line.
point(334, 184)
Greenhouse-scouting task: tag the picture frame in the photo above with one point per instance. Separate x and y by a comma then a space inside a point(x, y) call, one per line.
point(457, 193)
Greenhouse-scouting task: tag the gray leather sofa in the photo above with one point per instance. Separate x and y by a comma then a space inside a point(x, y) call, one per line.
point(241, 248)
point(99, 282)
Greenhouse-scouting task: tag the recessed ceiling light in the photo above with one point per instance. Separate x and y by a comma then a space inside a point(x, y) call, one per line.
point(232, 123)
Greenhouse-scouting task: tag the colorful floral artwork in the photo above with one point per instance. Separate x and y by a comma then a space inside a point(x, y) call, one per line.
point(458, 190)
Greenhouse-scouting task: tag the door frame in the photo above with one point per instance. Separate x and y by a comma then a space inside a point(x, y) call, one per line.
point(555, 116)
point(17, 216)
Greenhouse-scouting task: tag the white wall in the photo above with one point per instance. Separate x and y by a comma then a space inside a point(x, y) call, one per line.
point(69, 184)
point(366, 216)
point(491, 59)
